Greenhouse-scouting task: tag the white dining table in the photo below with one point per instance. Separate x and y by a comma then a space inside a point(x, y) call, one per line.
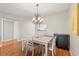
point(44, 40)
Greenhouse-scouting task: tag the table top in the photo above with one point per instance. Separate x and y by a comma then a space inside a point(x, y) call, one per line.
point(42, 39)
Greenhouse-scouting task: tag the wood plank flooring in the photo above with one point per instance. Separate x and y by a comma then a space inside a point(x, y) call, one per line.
point(36, 53)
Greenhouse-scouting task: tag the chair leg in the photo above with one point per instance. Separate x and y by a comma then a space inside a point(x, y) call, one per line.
point(42, 50)
point(33, 52)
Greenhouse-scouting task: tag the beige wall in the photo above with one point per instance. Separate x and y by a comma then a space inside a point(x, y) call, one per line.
point(74, 41)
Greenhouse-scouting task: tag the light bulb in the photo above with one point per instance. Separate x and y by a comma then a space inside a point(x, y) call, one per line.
point(41, 20)
point(33, 19)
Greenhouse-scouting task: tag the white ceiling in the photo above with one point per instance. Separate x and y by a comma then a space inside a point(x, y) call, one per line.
point(29, 9)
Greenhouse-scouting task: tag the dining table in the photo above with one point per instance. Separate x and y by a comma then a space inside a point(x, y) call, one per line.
point(44, 40)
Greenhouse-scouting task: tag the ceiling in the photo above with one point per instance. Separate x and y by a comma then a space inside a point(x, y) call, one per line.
point(29, 9)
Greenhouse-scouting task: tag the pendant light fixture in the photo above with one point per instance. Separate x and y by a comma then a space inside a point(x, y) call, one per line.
point(37, 19)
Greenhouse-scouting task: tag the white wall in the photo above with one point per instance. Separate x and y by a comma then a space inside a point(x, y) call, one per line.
point(27, 29)
point(74, 45)
point(16, 30)
point(57, 23)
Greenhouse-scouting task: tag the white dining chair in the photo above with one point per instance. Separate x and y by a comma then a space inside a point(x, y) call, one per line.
point(30, 45)
point(51, 45)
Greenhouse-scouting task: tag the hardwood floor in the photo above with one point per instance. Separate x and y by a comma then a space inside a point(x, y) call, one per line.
point(62, 52)
point(29, 53)
point(58, 53)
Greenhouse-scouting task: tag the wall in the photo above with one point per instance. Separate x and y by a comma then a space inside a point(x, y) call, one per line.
point(27, 29)
point(57, 23)
point(74, 45)
point(74, 41)
point(16, 30)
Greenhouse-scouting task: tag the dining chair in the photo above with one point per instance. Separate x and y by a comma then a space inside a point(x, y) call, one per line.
point(51, 45)
point(29, 45)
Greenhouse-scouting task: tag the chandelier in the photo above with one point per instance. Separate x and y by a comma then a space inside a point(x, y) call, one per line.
point(37, 19)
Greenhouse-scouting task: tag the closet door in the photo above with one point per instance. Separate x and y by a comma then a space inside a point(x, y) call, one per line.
point(8, 27)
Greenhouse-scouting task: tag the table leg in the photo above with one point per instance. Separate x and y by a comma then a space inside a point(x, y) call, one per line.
point(46, 49)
